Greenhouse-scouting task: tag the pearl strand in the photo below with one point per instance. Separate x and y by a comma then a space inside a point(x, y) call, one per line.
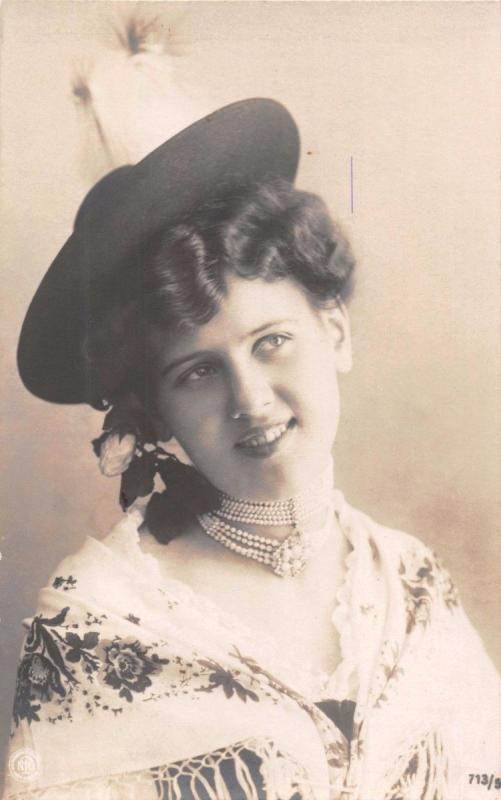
point(287, 558)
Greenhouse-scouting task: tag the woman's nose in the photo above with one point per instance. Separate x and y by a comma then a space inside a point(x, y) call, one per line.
point(250, 393)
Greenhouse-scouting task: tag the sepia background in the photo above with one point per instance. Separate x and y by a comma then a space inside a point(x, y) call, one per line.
point(403, 92)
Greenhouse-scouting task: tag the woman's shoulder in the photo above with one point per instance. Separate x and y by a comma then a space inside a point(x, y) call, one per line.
point(119, 540)
point(98, 571)
point(401, 556)
point(386, 538)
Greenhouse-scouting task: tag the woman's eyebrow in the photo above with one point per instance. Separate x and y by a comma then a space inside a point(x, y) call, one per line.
point(268, 325)
point(176, 362)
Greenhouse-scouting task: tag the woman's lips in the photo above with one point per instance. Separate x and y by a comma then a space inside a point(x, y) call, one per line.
point(264, 441)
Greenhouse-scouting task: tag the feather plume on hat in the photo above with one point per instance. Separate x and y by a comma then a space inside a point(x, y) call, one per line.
point(130, 99)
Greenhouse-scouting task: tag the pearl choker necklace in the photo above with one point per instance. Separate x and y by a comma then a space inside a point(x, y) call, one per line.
point(278, 512)
point(286, 558)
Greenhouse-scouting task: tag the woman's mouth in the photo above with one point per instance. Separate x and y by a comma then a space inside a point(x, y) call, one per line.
point(264, 441)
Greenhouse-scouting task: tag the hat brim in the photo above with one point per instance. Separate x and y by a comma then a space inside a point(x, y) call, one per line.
point(248, 141)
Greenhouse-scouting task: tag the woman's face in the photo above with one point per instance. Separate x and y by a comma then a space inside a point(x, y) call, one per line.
point(252, 395)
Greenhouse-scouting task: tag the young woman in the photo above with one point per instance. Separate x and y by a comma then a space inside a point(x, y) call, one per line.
point(243, 632)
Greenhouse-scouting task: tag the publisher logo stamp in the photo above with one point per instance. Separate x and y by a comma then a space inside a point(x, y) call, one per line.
point(24, 765)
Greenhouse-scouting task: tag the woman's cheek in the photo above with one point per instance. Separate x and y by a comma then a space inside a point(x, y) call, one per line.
point(198, 418)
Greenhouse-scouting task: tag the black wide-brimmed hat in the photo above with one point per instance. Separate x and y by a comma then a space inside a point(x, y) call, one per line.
point(245, 142)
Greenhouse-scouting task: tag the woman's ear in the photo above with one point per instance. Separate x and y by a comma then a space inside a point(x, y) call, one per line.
point(337, 322)
point(168, 442)
point(174, 448)
point(162, 432)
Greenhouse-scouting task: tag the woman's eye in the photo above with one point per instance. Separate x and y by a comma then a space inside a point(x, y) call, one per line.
point(272, 342)
point(198, 373)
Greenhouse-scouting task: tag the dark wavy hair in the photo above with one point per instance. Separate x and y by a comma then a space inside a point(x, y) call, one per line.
point(270, 231)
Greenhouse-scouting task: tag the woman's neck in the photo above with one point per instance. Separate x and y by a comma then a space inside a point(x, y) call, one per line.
point(308, 510)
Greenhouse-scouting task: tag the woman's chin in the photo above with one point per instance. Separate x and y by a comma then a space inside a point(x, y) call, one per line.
point(273, 478)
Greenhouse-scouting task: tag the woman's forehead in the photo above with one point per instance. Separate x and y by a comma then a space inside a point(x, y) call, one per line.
point(248, 302)
point(248, 307)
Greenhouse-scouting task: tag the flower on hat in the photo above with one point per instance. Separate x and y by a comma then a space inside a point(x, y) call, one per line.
point(116, 454)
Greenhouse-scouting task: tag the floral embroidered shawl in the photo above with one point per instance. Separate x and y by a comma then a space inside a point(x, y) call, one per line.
point(131, 686)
